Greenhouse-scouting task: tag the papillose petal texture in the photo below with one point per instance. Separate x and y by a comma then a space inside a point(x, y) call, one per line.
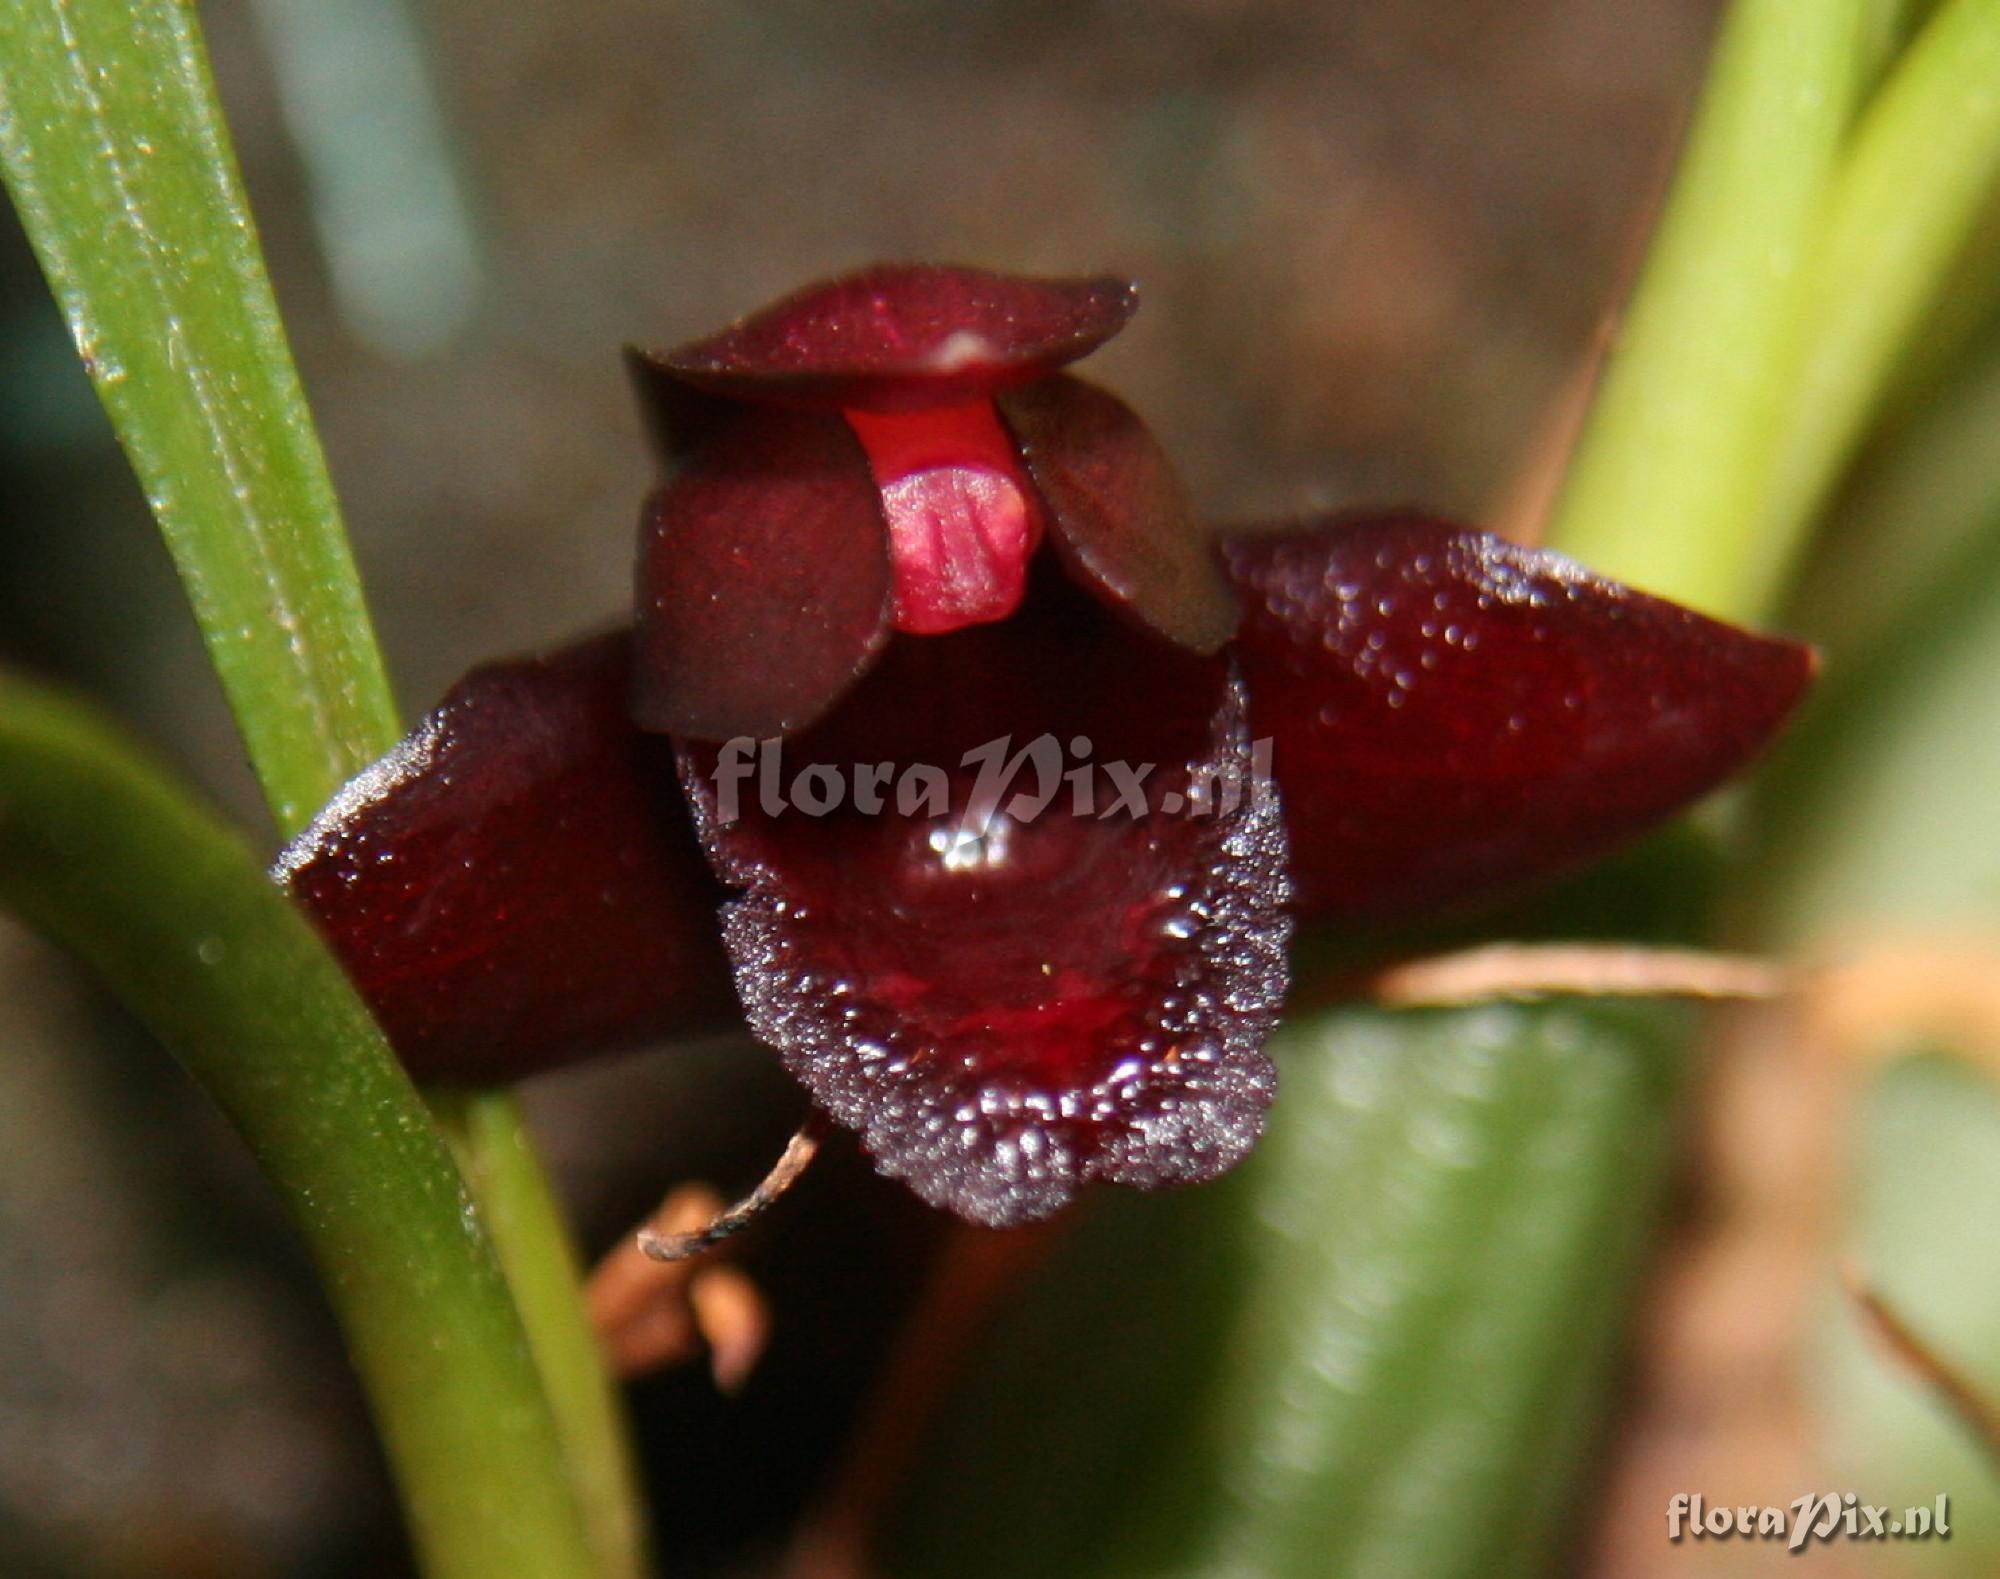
point(904, 335)
point(517, 884)
point(1006, 995)
point(1452, 715)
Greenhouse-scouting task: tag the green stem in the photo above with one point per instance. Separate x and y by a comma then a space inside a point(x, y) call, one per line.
point(1923, 164)
point(539, 1257)
point(1886, 28)
point(1926, 498)
point(1668, 481)
point(100, 850)
point(115, 151)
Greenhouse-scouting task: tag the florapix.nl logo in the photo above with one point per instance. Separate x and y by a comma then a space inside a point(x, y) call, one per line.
point(1019, 784)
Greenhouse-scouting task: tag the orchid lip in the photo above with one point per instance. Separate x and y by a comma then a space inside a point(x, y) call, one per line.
point(518, 886)
point(1010, 1000)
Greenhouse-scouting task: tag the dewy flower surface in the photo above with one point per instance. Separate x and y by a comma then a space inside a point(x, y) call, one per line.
point(895, 537)
point(1004, 1004)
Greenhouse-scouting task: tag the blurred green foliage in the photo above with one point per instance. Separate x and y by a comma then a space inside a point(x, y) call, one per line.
point(1383, 1347)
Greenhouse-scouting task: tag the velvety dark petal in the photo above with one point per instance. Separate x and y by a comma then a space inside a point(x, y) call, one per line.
point(902, 335)
point(1118, 515)
point(764, 584)
point(517, 885)
point(1451, 714)
point(679, 418)
point(1007, 1005)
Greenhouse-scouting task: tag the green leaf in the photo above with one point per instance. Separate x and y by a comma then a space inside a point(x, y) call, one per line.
point(1878, 812)
point(539, 1256)
point(1922, 168)
point(1913, 519)
point(1669, 481)
point(1887, 27)
point(100, 850)
point(1382, 1348)
point(1794, 264)
point(115, 152)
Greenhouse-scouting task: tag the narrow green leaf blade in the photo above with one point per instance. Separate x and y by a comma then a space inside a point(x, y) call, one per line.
point(102, 852)
point(1924, 163)
point(1668, 483)
point(544, 1268)
point(114, 149)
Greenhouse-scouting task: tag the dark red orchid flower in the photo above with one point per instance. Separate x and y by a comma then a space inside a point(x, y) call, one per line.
point(999, 848)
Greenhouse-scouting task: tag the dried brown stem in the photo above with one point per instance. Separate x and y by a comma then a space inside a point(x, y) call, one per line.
point(797, 1156)
point(652, 1314)
point(1539, 970)
point(1974, 1410)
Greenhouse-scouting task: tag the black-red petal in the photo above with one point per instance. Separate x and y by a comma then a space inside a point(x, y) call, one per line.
point(1121, 521)
point(764, 581)
point(1452, 715)
point(901, 335)
point(517, 884)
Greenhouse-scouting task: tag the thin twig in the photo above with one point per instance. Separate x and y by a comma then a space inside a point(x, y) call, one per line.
point(1972, 1407)
point(651, 1314)
point(798, 1153)
point(1596, 970)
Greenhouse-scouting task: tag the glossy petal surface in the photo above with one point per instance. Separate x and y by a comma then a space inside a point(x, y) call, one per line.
point(1117, 512)
point(764, 584)
point(1452, 714)
point(517, 884)
point(903, 335)
point(1007, 1006)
